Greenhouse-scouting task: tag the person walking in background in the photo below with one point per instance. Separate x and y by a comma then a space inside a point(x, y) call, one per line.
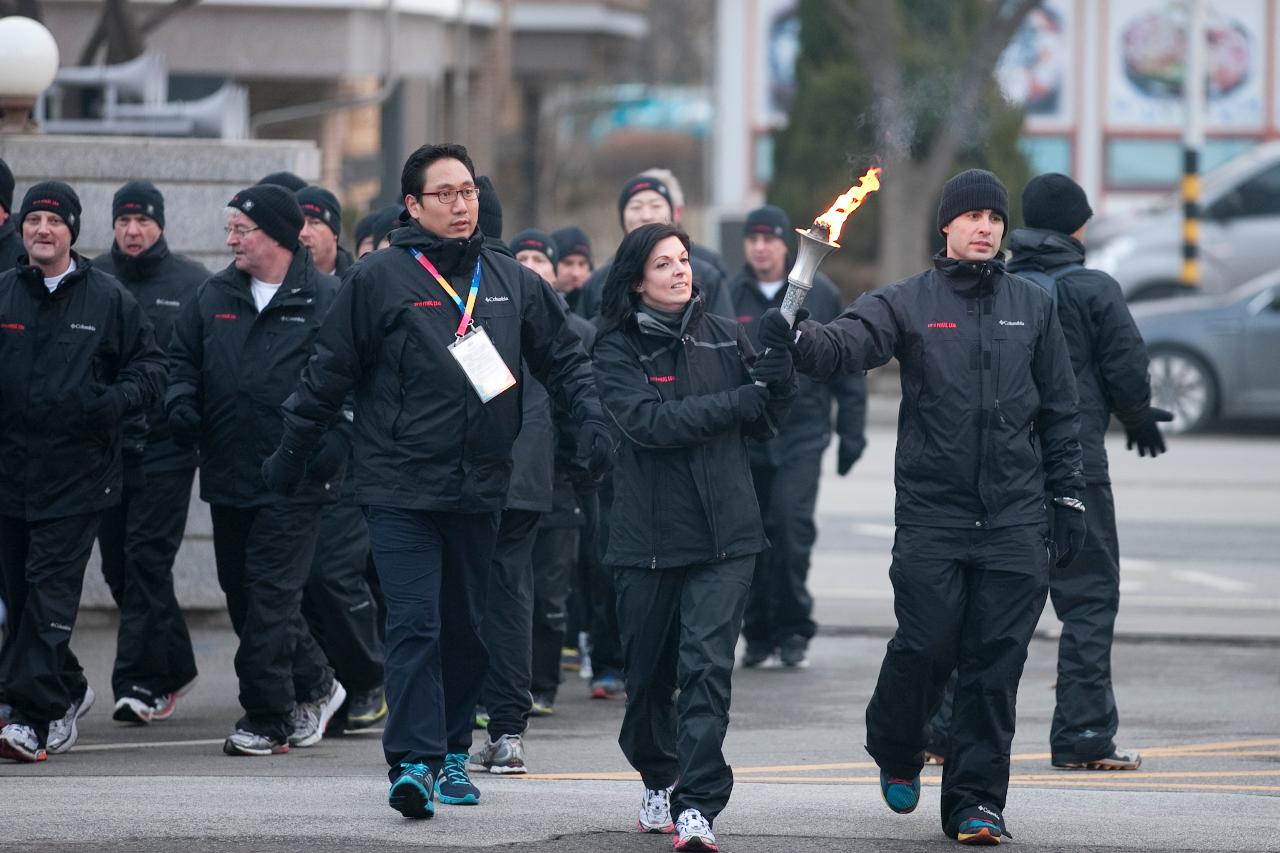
point(787, 468)
point(79, 356)
point(321, 228)
point(686, 528)
point(262, 310)
point(140, 536)
point(11, 247)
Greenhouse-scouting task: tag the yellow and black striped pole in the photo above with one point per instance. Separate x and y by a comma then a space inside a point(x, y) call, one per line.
point(1193, 82)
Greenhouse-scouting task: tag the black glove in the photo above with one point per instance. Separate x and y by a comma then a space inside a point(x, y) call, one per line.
point(135, 479)
point(848, 454)
point(284, 470)
point(1068, 533)
point(184, 424)
point(752, 400)
point(595, 447)
point(102, 405)
point(774, 367)
point(1146, 434)
point(329, 457)
point(776, 332)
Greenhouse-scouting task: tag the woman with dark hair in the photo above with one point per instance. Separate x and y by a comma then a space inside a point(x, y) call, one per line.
point(685, 528)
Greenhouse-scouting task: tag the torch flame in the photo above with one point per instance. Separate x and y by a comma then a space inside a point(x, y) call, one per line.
point(834, 218)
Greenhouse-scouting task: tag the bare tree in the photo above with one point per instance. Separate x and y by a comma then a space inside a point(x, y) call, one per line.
point(123, 33)
point(872, 31)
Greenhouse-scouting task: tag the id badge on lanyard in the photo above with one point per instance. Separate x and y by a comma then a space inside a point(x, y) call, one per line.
point(479, 359)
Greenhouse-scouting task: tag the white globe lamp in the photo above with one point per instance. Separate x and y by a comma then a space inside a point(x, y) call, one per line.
point(28, 64)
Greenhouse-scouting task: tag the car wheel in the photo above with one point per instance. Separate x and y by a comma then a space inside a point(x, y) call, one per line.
point(1184, 385)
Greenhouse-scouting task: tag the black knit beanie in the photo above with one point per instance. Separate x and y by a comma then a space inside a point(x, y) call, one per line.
point(54, 197)
point(490, 217)
point(288, 180)
point(6, 187)
point(385, 221)
point(639, 184)
point(138, 197)
point(767, 220)
point(323, 205)
point(975, 189)
point(273, 209)
point(572, 240)
point(1054, 202)
point(531, 239)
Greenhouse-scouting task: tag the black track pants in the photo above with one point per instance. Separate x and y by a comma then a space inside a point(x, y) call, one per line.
point(508, 624)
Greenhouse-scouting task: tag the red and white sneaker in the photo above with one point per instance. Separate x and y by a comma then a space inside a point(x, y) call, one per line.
point(167, 703)
point(18, 742)
point(655, 811)
point(693, 832)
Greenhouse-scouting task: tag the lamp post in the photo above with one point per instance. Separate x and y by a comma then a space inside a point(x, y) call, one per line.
point(28, 64)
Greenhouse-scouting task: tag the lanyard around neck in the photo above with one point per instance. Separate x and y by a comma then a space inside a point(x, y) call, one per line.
point(470, 305)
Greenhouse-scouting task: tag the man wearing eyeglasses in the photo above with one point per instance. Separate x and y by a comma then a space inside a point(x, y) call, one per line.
point(430, 334)
point(238, 348)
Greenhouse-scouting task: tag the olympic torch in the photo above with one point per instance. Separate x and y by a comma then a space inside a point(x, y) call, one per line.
point(820, 240)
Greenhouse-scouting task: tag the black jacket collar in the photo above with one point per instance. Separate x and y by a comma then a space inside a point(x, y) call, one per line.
point(648, 324)
point(451, 256)
point(298, 287)
point(129, 268)
point(1041, 249)
point(970, 278)
point(34, 277)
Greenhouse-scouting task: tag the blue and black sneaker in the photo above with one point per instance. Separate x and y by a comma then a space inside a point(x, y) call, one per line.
point(981, 826)
point(413, 792)
point(901, 795)
point(453, 785)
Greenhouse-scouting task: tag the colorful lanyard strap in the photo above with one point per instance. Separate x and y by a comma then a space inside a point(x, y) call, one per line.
point(457, 300)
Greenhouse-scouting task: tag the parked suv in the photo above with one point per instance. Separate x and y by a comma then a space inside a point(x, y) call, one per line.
point(1239, 232)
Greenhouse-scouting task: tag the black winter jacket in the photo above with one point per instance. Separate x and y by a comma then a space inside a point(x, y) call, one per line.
point(682, 488)
point(1107, 353)
point(56, 349)
point(808, 427)
point(236, 367)
point(11, 248)
point(423, 439)
point(706, 277)
point(162, 282)
point(989, 415)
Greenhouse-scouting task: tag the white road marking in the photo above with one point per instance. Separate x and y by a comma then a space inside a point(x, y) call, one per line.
point(1132, 586)
point(1137, 564)
point(158, 744)
point(1211, 580)
point(879, 531)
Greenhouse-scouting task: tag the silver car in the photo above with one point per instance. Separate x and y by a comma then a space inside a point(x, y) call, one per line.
point(1238, 232)
point(1215, 356)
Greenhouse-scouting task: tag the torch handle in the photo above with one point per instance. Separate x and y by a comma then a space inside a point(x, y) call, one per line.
point(792, 302)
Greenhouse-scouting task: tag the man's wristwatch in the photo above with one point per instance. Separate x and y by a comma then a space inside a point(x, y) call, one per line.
point(1070, 503)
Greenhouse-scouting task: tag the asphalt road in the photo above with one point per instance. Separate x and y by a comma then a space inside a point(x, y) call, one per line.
point(1198, 686)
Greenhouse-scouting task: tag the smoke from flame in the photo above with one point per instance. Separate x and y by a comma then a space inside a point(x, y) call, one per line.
point(846, 204)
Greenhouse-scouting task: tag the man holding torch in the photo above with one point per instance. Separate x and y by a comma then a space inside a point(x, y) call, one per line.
point(987, 427)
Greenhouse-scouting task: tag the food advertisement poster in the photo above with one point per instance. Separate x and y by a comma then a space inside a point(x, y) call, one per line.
point(1147, 48)
point(1035, 70)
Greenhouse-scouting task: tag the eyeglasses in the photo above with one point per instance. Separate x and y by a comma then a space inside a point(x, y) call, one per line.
point(447, 196)
point(239, 231)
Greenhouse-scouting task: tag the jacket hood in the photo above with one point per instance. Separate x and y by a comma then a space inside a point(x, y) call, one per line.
point(1041, 249)
point(132, 268)
point(451, 256)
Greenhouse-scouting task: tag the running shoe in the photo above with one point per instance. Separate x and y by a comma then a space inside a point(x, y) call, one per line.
point(310, 719)
point(64, 733)
point(454, 786)
point(167, 703)
point(543, 705)
point(608, 687)
point(130, 709)
point(756, 654)
point(982, 826)
point(482, 718)
point(570, 659)
point(504, 756)
point(901, 795)
point(366, 708)
point(1119, 759)
point(655, 811)
point(413, 792)
point(794, 652)
point(18, 742)
point(693, 832)
point(245, 742)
